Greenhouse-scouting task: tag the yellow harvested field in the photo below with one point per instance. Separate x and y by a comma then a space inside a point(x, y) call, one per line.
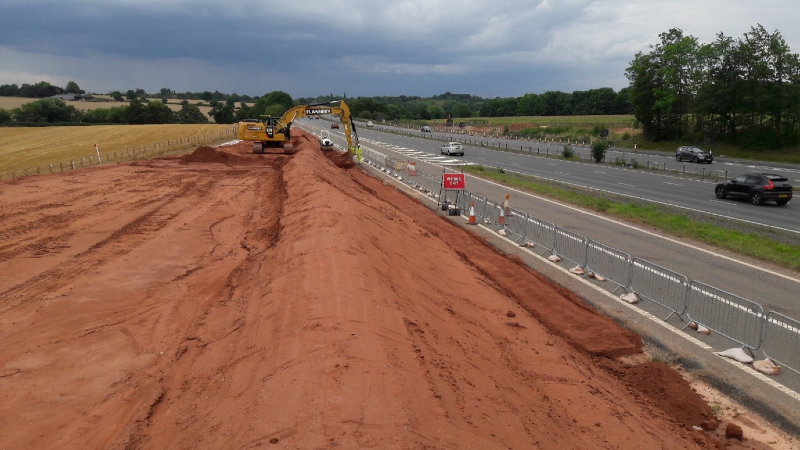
point(14, 102)
point(27, 147)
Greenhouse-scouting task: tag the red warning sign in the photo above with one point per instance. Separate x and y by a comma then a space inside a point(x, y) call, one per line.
point(454, 181)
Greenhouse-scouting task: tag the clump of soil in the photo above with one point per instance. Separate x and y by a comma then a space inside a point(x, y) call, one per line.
point(205, 154)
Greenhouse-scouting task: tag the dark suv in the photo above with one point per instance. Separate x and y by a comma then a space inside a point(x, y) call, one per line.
point(756, 187)
point(693, 154)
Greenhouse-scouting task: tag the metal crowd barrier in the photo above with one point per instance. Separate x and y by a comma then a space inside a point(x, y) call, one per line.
point(610, 263)
point(570, 246)
point(734, 317)
point(730, 316)
point(516, 224)
point(542, 233)
point(659, 285)
point(782, 340)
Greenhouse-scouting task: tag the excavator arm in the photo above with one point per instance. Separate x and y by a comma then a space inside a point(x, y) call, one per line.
point(272, 132)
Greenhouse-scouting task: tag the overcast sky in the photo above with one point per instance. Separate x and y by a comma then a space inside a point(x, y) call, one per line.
point(490, 48)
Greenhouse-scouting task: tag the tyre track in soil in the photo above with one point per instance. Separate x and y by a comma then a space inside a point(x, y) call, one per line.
point(35, 232)
point(222, 319)
point(195, 197)
point(120, 242)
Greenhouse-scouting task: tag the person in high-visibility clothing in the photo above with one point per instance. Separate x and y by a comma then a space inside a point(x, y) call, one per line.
point(359, 151)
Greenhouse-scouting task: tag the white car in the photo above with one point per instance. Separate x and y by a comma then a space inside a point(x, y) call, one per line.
point(452, 148)
point(369, 124)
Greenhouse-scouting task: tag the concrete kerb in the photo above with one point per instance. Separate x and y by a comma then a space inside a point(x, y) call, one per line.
point(756, 391)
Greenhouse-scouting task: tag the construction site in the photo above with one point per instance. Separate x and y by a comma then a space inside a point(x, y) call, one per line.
point(226, 299)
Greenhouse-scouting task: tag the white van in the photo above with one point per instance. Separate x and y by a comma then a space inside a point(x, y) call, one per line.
point(452, 148)
point(425, 129)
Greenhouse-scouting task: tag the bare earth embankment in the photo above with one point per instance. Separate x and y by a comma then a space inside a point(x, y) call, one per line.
point(230, 300)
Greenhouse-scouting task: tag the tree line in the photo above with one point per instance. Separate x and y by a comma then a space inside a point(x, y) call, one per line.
point(230, 108)
point(743, 91)
point(44, 89)
point(54, 111)
point(603, 101)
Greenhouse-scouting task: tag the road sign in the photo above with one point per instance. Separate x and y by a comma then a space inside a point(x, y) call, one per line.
point(451, 181)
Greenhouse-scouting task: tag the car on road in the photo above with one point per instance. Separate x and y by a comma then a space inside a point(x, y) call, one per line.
point(452, 148)
point(334, 125)
point(757, 188)
point(369, 125)
point(693, 154)
point(425, 129)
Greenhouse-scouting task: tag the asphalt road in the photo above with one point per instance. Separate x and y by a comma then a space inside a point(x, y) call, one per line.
point(663, 183)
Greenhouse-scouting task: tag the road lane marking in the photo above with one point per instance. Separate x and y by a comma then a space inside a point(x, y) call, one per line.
point(674, 184)
point(625, 184)
point(650, 233)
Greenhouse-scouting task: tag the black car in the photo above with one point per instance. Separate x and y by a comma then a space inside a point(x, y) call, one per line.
point(693, 154)
point(756, 187)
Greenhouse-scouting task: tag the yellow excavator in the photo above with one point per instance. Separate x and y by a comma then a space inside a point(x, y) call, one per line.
point(275, 132)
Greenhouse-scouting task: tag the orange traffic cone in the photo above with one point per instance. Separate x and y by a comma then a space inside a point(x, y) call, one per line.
point(502, 219)
point(472, 220)
point(506, 206)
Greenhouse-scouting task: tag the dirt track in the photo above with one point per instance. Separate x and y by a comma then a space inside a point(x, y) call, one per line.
point(226, 300)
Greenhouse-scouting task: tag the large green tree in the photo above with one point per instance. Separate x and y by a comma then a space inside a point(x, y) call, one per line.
point(73, 88)
point(743, 90)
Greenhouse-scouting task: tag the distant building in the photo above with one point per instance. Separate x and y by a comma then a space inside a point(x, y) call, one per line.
point(85, 97)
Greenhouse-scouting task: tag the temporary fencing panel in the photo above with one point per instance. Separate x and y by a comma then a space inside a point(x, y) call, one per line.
point(427, 182)
point(659, 285)
point(610, 263)
point(464, 201)
point(782, 340)
point(516, 224)
point(541, 233)
point(570, 246)
point(493, 211)
point(482, 208)
point(734, 317)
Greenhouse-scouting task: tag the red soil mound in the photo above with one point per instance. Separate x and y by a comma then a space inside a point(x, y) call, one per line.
point(299, 305)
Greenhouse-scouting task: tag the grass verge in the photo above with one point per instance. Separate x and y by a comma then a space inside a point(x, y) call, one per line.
point(762, 243)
